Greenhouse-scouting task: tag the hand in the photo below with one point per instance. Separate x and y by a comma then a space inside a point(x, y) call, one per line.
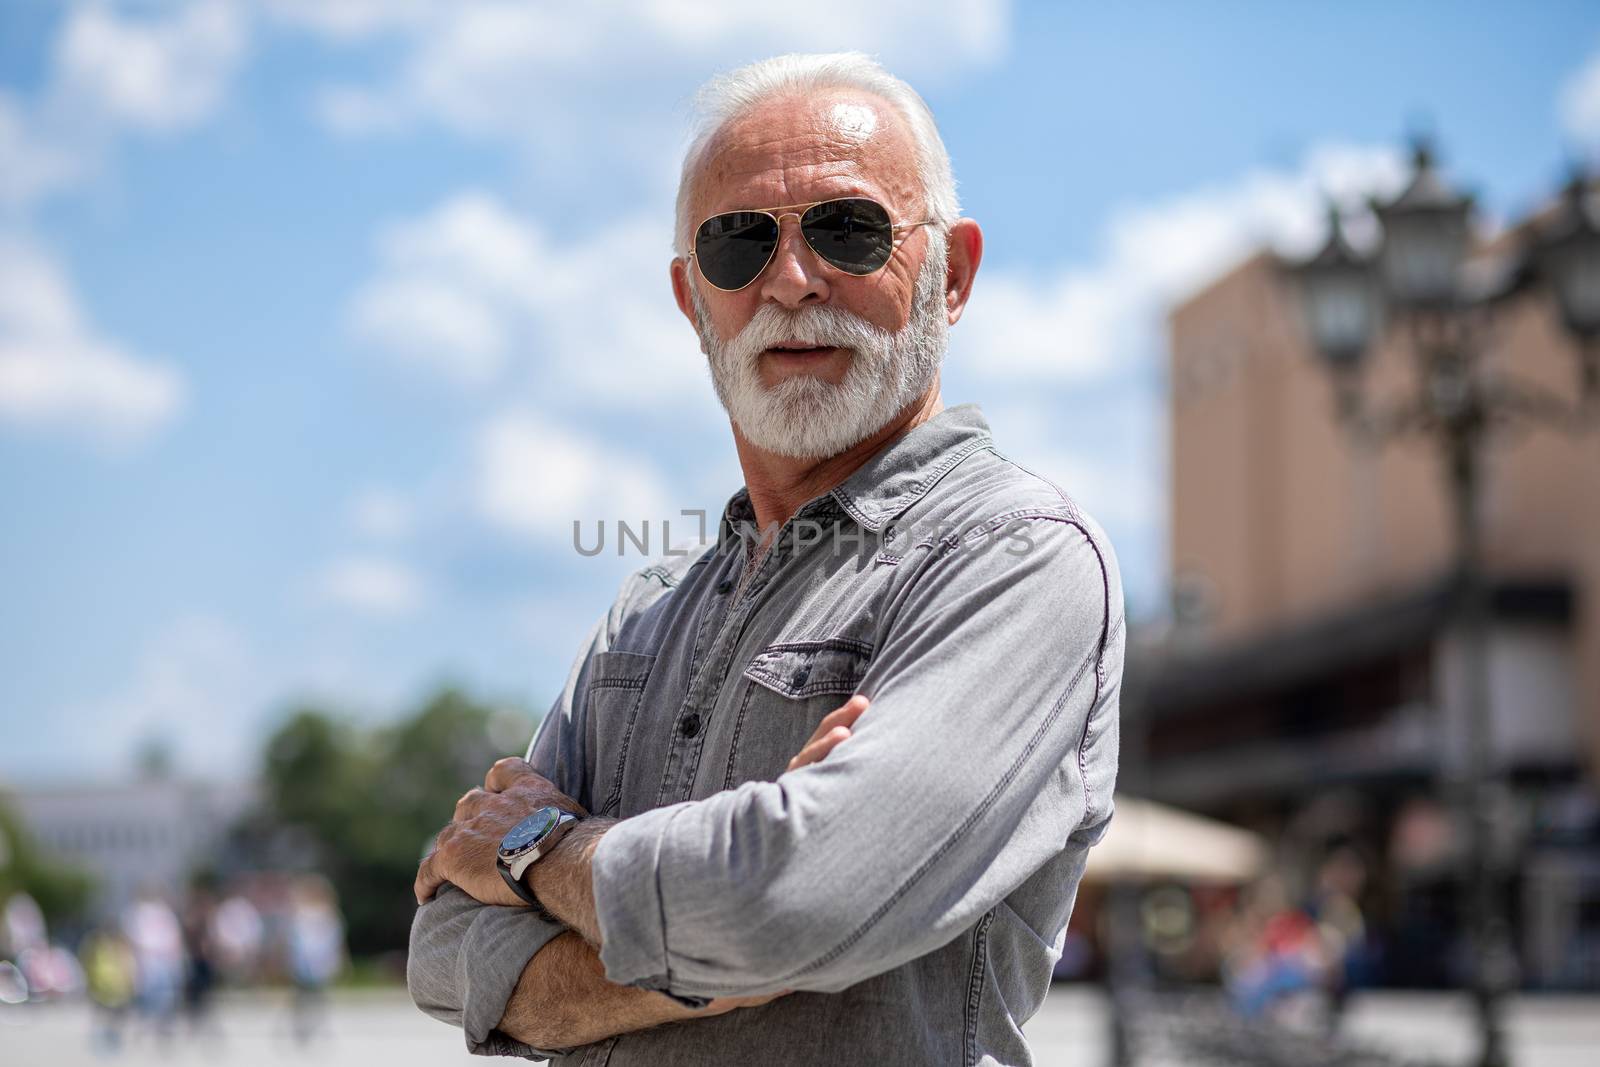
point(833, 729)
point(464, 852)
point(723, 1005)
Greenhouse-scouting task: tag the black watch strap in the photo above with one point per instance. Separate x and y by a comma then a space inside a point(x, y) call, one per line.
point(525, 891)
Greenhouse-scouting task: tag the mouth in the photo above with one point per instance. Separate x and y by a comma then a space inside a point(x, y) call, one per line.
point(801, 353)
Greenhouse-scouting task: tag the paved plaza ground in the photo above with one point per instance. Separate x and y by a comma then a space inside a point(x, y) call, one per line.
point(382, 1028)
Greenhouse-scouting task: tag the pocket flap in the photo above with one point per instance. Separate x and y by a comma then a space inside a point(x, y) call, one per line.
point(612, 669)
point(806, 668)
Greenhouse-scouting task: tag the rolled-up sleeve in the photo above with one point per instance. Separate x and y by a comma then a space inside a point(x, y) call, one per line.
point(466, 958)
point(465, 961)
point(989, 748)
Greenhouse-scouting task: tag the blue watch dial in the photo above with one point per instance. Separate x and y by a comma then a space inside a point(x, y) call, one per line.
point(529, 831)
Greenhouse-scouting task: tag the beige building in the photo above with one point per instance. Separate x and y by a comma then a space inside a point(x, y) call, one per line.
point(1313, 653)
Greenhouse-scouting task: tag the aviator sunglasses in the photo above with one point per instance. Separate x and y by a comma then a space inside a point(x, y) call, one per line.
point(852, 233)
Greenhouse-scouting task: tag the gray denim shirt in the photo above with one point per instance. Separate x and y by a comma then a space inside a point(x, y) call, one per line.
point(914, 887)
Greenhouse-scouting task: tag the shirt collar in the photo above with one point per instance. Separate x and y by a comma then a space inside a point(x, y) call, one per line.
point(895, 477)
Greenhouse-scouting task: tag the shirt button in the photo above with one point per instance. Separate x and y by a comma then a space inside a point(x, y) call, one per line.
point(725, 586)
point(690, 725)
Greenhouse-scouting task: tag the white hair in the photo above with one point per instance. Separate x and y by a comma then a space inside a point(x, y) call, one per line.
point(729, 95)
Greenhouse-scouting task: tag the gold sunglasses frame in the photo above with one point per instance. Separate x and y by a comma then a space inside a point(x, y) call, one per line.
point(798, 211)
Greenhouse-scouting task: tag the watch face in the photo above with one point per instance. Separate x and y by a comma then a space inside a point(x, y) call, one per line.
point(529, 830)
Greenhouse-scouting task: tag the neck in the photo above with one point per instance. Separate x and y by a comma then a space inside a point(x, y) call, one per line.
point(780, 485)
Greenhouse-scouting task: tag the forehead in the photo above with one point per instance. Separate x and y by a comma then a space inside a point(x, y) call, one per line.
point(794, 149)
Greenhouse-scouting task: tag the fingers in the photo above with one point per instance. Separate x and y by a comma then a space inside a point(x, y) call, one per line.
point(817, 750)
point(834, 728)
point(423, 888)
point(429, 872)
point(723, 1005)
point(470, 804)
point(505, 773)
point(845, 714)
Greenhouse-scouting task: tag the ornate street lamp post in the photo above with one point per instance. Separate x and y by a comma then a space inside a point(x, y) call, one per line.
point(1569, 257)
point(1415, 283)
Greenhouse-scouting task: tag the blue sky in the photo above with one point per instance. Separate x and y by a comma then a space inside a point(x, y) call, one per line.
point(320, 322)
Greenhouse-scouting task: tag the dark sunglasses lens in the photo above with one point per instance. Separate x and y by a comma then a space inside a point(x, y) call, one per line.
point(854, 235)
point(733, 247)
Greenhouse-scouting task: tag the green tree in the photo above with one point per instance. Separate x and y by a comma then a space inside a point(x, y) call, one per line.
point(62, 891)
point(367, 801)
point(312, 771)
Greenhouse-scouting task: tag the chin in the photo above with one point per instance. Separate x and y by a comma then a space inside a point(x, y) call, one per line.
point(793, 440)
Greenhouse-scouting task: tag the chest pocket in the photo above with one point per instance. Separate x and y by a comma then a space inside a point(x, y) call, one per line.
point(788, 689)
point(616, 690)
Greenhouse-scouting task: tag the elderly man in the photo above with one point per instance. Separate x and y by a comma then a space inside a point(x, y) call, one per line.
point(835, 781)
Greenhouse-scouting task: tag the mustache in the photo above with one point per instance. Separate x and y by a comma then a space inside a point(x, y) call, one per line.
point(821, 326)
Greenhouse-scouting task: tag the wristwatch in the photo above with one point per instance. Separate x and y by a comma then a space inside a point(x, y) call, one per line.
point(525, 843)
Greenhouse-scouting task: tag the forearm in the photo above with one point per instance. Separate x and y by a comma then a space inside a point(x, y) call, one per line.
point(466, 959)
point(563, 999)
point(563, 883)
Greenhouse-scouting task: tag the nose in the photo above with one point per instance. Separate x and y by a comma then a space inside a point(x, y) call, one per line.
point(794, 277)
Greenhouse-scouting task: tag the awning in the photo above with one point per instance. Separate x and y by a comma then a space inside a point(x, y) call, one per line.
point(1148, 841)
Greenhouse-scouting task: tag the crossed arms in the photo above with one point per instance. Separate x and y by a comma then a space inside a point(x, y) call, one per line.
point(990, 748)
point(561, 998)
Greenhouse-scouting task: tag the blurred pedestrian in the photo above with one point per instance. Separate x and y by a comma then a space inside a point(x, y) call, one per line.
point(1336, 906)
point(238, 934)
point(316, 951)
point(200, 974)
point(23, 926)
point(1277, 968)
point(156, 937)
point(110, 972)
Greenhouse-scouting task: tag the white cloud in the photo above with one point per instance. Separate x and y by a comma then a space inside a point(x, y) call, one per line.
point(435, 323)
point(1580, 104)
point(452, 287)
point(473, 290)
point(354, 20)
point(575, 36)
point(371, 585)
point(543, 75)
point(154, 74)
point(57, 372)
point(382, 514)
point(564, 336)
point(32, 164)
point(355, 111)
point(537, 478)
point(111, 73)
point(1091, 321)
point(1113, 481)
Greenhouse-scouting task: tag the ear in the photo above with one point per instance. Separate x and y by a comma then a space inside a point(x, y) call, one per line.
point(681, 280)
point(965, 253)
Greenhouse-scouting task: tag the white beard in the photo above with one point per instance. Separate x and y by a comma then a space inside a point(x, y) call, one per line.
point(805, 416)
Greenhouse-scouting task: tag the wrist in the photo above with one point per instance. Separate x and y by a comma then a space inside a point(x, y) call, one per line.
point(530, 897)
point(533, 839)
point(563, 882)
